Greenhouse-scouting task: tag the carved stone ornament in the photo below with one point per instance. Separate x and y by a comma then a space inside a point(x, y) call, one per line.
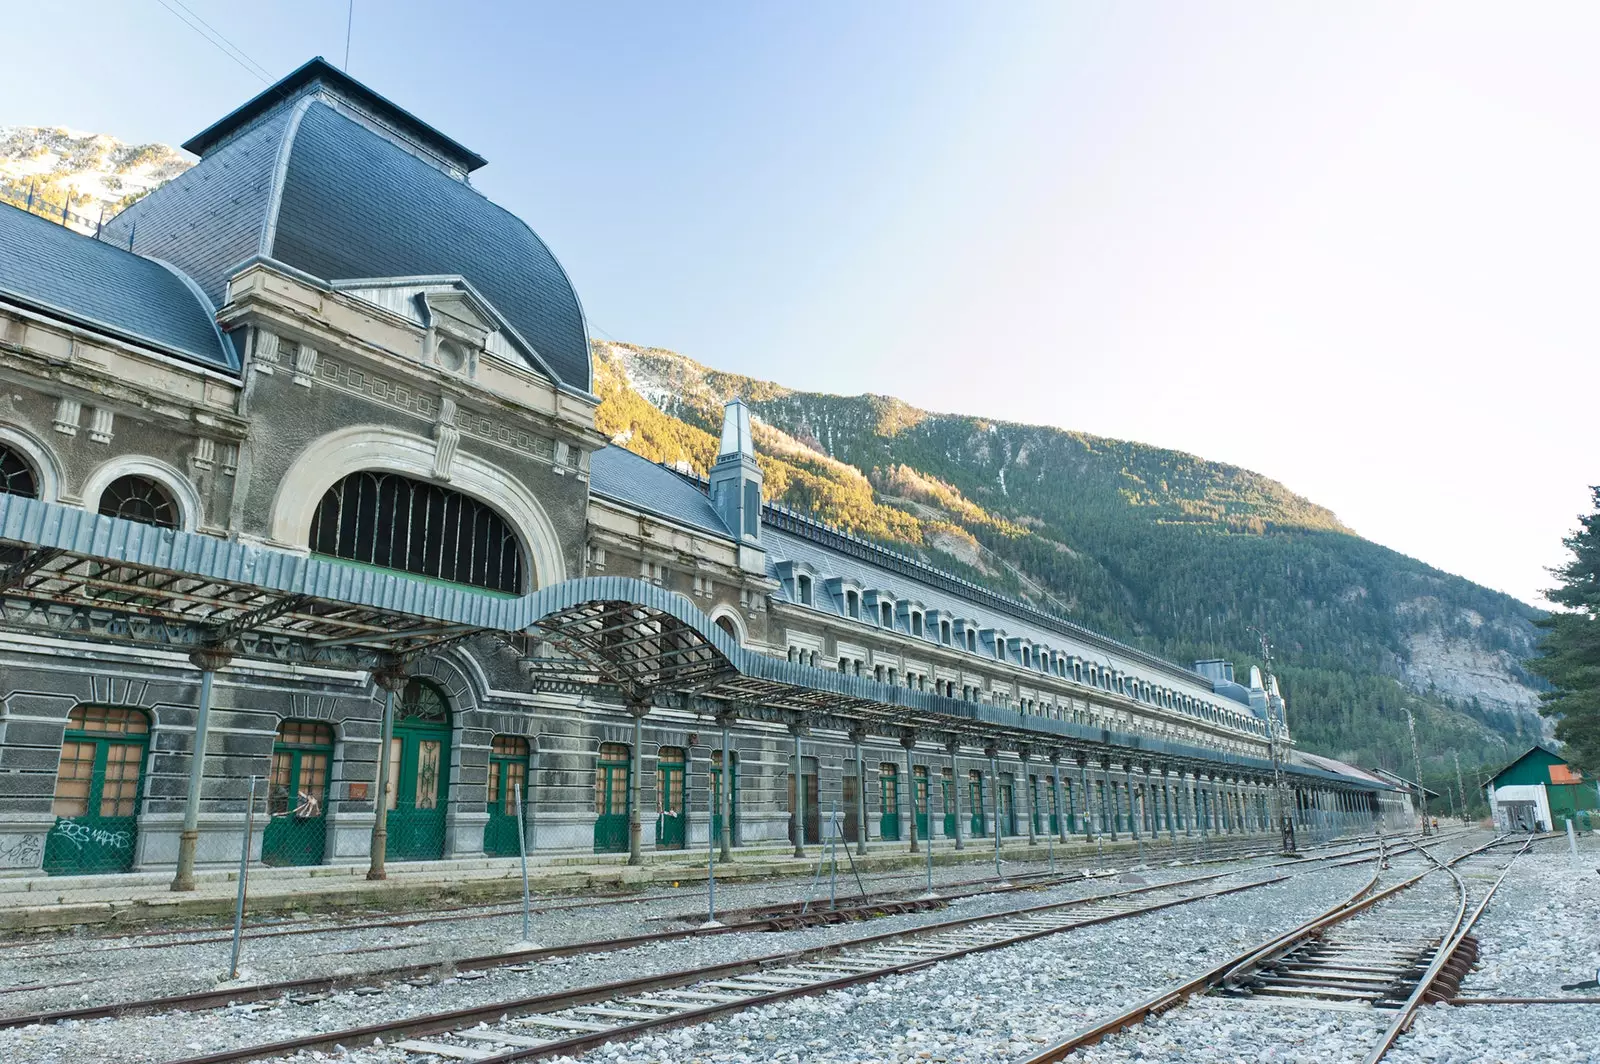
point(447, 438)
point(305, 364)
point(101, 421)
point(266, 353)
point(66, 416)
point(205, 453)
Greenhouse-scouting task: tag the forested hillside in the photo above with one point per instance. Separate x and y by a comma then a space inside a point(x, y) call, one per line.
point(1161, 549)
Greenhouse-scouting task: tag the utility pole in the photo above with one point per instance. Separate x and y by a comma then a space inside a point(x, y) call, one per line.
point(1284, 816)
point(1461, 787)
point(1422, 792)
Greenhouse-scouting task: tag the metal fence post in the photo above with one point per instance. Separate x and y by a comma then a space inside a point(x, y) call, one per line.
point(522, 851)
point(244, 877)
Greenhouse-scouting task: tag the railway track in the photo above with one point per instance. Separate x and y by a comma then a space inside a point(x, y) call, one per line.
point(574, 1021)
point(1372, 960)
point(759, 918)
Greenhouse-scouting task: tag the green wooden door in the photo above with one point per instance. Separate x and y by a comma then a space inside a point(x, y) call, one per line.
point(1007, 813)
point(508, 776)
point(1035, 813)
point(419, 774)
point(670, 817)
point(716, 798)
point(297, 795)
point(919, 799)
point(97, 792)
point(889, 793)
point(978, 825)
point(947, 792)
point(612, 794)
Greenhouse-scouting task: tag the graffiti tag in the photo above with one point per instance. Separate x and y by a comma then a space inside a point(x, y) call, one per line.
point(24, 851)
point(82, 834)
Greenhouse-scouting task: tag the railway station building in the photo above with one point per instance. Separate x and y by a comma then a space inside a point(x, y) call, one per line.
point(298, 465)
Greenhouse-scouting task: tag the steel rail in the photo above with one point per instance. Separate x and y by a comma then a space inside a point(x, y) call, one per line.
point(553, 1002)
point(1448, 945)
point(1358, 902)
point(208, 999)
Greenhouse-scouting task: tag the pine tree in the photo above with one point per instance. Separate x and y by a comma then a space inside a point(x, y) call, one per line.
point(1571, 647)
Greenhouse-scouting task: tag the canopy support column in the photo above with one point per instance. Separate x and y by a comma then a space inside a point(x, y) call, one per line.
point(208, 660)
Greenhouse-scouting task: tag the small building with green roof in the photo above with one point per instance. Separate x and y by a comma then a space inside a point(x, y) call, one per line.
point(1541, 791)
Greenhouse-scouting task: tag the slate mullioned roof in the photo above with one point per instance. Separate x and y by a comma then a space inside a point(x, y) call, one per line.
point(55, 271)
point(306, 178)
point(618, 473)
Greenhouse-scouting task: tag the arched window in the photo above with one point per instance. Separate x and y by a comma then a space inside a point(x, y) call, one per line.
point(137, 498)
point(394, 522)
point(727, 626)
point(16, 475)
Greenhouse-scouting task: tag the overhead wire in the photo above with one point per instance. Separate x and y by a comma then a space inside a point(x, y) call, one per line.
point(189, 18)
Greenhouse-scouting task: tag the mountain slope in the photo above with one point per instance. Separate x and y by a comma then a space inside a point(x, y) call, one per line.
point(86, 173)
point(1159, 548)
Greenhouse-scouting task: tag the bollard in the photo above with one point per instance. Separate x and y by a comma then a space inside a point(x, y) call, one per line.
point(244, 875)
point(1572, 840)
point(522, 851)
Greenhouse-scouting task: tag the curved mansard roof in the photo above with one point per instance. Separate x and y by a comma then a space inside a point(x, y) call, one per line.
point(57, 272)
point(324, 175)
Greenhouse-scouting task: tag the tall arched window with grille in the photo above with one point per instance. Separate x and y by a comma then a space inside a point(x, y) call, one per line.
point(394, 522)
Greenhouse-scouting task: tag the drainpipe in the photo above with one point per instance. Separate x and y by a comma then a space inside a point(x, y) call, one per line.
point(637, 710)
point(208, 660)
point(1108, 800)
point(1133, 805)
point(797, 814)
point(955, 791)
point(1055, 787)
point(1088, 803)
point(726, 803)
point(392, 680)
point(857, 734)
point(1027, 790)
point(909, 741)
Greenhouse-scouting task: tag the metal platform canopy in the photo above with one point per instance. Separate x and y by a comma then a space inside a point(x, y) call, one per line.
point(74, 575)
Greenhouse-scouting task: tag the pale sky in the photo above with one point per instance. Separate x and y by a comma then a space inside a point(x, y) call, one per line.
point(1354, 247)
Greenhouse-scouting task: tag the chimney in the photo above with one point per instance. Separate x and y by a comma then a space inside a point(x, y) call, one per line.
point(736, 485)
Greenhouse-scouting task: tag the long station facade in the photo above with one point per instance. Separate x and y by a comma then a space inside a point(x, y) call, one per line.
point(298, 458)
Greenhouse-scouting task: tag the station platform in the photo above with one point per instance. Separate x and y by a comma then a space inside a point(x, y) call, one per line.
point(41, 901)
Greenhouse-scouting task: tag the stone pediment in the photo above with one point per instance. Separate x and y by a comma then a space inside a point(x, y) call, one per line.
point(461, 324)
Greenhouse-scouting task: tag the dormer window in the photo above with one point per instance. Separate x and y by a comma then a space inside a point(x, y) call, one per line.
point(1027, 658)
point(886, 614)
point(802, 587)
point(916, 624)
point(852, 604)
point(972, 641)
point(944, 632)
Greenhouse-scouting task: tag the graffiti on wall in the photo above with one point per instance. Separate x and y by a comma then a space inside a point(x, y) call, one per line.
point(21, 851)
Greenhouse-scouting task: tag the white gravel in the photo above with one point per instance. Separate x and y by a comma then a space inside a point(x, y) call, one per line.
point(995, 1006)
point(1542, 931)
point(139, 1040)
